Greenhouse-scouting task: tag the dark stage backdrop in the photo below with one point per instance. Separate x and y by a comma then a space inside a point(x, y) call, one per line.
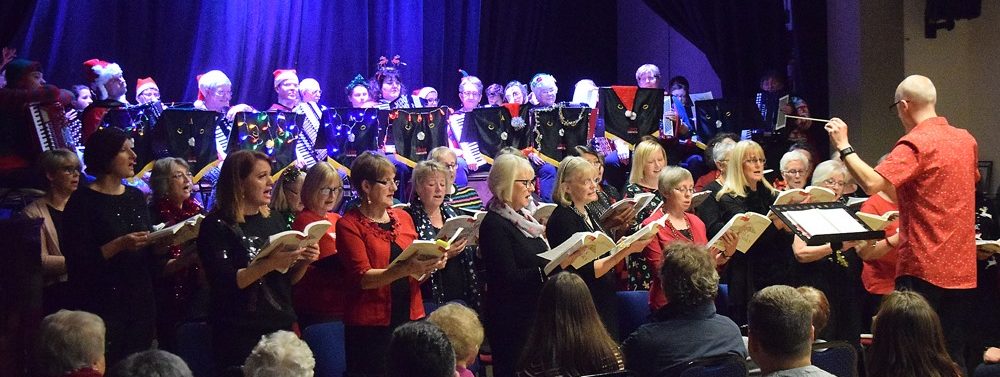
point(172, 41)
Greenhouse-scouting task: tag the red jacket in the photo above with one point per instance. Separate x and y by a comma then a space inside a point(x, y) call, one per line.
point(321, 290)
point(654, 251)
point(365, 246)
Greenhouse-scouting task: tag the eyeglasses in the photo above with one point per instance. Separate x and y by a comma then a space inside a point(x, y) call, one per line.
point(893, 106)
point(682, 190)
point(71, 170)
point(795, 172)
point(755, 160)
point(386, 183)
point(330, 191)
point(832, 182)
point(179, 175)
point(526, 182)
point(469, 94)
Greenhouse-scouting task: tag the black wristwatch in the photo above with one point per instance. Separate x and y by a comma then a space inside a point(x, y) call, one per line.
point(846, 152)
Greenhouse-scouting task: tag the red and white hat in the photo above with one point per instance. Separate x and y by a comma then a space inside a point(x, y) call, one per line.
point(197, 79)
point(283, 75)
point(143, 84)
point(99, 72)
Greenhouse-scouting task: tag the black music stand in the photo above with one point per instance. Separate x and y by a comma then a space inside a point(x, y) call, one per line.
point(416, 131)
point(188, 134)
point(630, 125)
point(820, 223)
point(495, 128)
point(274, 133)
point(345, 133)
point(558, 129)
point(138, 123)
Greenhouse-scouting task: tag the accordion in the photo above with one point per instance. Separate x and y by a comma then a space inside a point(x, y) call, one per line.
point(53, 128)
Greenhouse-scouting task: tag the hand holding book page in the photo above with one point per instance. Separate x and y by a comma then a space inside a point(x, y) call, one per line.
point(619, 220)
point(746, 226)
point(542, 212)
point(293, 241)
point(421, 251)
point(878, 222)
point(178, 233)
point(636, 203)
point(465, 225)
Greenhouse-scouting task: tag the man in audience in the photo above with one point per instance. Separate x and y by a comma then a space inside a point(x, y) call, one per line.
point(688, 327)
point(932, 173)
point(420, 349)
point(280, 353)
point(781, 333)
point(71, 343)
point(152, 363)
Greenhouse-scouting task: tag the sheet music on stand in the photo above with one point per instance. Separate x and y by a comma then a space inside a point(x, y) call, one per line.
point(820, 223)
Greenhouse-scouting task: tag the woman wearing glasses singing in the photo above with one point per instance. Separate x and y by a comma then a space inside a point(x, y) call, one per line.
point(380, 296)
point(769, 261)
point(795, 170)
point(509, 239)
point(834, 268)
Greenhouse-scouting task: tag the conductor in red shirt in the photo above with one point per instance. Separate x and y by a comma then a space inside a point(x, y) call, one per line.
point(931, 172)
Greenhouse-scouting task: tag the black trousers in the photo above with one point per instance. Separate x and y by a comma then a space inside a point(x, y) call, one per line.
point(952, 306)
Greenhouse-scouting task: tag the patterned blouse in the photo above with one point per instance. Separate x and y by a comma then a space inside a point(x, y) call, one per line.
point(640, 273)
point(434, 289)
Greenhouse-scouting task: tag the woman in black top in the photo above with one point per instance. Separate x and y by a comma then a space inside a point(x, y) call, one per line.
point(575, 189)
point(709, 211)
point(249, 300)
point(769, 261)
point(108, 258)
point(509, 241)
point(458, 280)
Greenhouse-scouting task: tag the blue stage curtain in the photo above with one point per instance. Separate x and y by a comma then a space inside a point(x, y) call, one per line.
point(330, 41)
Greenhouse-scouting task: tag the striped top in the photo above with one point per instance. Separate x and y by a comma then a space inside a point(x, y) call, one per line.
point(465, 198)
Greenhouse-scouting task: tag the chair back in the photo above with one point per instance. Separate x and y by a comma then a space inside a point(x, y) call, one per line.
point(722, 300)
point(837, 358)
point(326, 340)
point(633, 311)
point(194, 346)
point(729, 365)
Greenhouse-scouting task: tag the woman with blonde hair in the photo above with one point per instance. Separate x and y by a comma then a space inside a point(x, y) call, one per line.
point(648, 160)
point(509, 241)
point(287, 198)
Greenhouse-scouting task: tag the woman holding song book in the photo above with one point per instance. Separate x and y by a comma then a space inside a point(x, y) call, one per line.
point(649, 159)
point(251, 296)
point(319, 296)
point(381, 295)
point(769, 261)
point(576, 188)
point(834, 269)
point(677, 188)
point(457, 280)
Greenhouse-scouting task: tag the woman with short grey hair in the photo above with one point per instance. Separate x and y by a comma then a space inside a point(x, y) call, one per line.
point(280, 353)
point(152, 363)
point(71, 343)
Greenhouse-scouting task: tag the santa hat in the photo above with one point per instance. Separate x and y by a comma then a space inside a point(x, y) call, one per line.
point(98, 72)
point(143, 84)
point(283, 75)
point(197, 79)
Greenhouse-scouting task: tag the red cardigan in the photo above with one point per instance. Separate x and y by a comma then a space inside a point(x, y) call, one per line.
point(321, 290)
point(366, 246)
point(654, 251)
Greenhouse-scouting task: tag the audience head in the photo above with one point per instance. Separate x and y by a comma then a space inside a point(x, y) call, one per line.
point(908, 339)
point(146, 91)
point(430, 183)
point(567, 333)
point(585, 93)
point(357, 92)
point(287, 194)
point(515, 92)
point(780, 325)
point(61, 168)
point(679, 87)
point(105, 78)
point(374, 176)
point(494, 95)
point(109, 152)
point(676, 186)
point(430, 95)
point(745, 169)
point(322, 189)
point(171, 179)
point(388, 85)
point(69, 341)
point(831, 174)
point(470, 90)
point(820, 307)
point(244, 185)
point(915, 98)
point(286, 84)
point(310, 91)
point(688, 275)
point(794, 168)
point(82, 97)
point(648, 76)
point(512, 180)
point(543, 86)
point(594, 157)
point(648, 160)
point(576, 182)
point(720, 154)
point(462, 327)
point(216, 90)
point(24, 74)
point(445, 156)
point(152, 363)
point(280, 354)
point(420, 349)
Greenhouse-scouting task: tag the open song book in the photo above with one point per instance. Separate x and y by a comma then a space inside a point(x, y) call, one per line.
point(819, 223)
point(463, 226)
point(815, 194)
point(291, 240)
point(876, 222)
point(639, 202)
point(747, 226)
point(179, 233)
point(425, 250)
point(585, 247)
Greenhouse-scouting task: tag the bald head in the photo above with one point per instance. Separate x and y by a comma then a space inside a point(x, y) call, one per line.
point(918, 90)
